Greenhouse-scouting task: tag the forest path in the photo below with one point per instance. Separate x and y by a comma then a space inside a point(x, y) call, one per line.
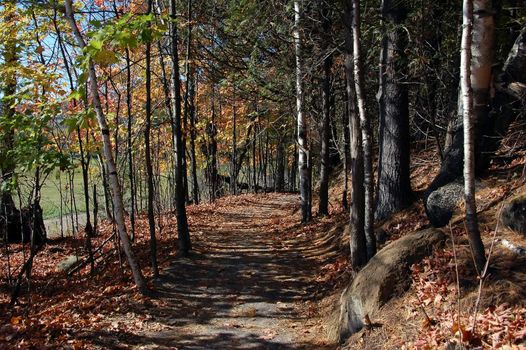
point(246, 286)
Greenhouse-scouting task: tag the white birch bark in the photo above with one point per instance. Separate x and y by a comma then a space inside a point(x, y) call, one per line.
point(303, 157)
point(475, 241)
point(108, 155)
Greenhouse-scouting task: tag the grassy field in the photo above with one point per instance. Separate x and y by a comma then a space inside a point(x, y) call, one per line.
point(56, 189)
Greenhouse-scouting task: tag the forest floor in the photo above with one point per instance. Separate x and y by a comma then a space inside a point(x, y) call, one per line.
point(253, 281)
point(258, 279)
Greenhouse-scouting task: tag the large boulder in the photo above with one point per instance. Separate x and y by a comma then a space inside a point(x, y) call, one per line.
point(386, 275)
point(441, 203)
point(514, 215)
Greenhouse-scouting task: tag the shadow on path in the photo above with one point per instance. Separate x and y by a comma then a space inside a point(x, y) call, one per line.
point(243, 287)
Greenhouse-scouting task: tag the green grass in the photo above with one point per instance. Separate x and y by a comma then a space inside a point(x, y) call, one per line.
point(56, 188)
point(51, 194)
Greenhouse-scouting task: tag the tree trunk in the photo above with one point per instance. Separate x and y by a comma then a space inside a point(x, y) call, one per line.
point(88, 228)
point(182, 222)
point(280, 168)
point(187, 95)
point(148, 156)
point(481, 73)
point(9, 214)
point(475, 242)
point(211, 152)
point(303, 145)
point(117, 194)
point(358, 245)
point(366, 132)
point(325, 166)
point(254, 167)
point(233, 173)
point(346, 144)
point(129, 149)
point(193, 132)
point(394, 187)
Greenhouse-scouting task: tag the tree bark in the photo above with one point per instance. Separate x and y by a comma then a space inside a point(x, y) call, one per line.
point(475, 242)
point(485, 124)
point(114, 180)
point(358, 244)
point(182, 222)
point(233, 173)
point(148, 156)
point(280, 168)
point(303, 145)
point(129, 149)
point(394, 187)
point(346, 142)
point(323, 208)
point(193, 132)
point(367, 138)
point(187, 95)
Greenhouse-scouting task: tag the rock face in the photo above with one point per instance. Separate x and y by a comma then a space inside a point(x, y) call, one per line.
point(441, 203)
point(514, 215)
point(385, 276)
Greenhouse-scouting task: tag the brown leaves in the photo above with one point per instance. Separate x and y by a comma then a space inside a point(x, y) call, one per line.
point(498, 327)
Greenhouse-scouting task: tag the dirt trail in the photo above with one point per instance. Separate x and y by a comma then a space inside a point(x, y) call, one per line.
point(244, 287)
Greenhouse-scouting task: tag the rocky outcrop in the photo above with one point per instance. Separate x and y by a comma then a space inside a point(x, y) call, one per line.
point(385, 276)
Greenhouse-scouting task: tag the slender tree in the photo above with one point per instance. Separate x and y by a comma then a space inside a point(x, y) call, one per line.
point(303, 146)
point(326, 114)
point(365, 125)
point(110, 163)
point(475, 242)
point(129, 149)
point(358, 245)
point(148, 155)
point(233, 177)
point(481, 67)
point(180, 198)
point(193, 135)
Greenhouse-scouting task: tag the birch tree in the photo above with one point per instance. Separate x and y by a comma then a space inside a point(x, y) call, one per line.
point(365, 125)
point(303, 151)
point(148, 155)
point(475, 241)
point(108, 154)
point(358, 246)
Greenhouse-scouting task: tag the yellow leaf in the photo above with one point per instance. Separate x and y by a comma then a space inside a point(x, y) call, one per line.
point(16, 320)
